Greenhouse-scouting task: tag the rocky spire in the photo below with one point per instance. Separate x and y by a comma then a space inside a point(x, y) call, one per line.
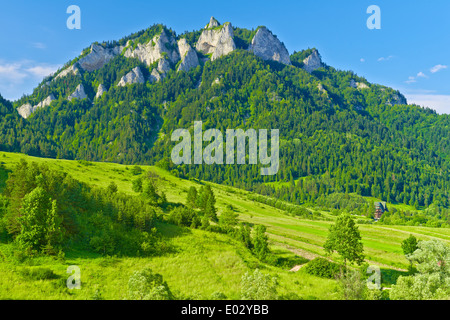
point(189, 58)
point(312, 62)
point(268, 47)
point(212, 23)
point(134, 76)
point(79, 93)
point(217, 41)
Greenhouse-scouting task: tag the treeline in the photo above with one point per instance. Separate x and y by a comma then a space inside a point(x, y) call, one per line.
point(44, 211)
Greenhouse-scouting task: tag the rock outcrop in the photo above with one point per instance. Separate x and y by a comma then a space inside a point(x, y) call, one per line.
point(189, 58)
point(79, 93)
point(155, 76)
point(217, 41)
point(212, 23)
point(312, 62)
point(397, 98)
point(268, 47)
point(134, 76)
point(72, 69)
point(26, 110)
point(98, 57)
point(100, 91)
point(161, 46)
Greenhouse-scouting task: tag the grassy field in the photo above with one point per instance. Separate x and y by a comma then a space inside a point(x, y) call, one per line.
point(202, 263)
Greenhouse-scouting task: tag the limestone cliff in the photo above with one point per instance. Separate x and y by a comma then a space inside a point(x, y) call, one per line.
point(267, 46)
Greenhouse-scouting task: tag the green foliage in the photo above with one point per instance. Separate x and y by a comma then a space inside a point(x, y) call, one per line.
point(260, 243)
point(432, 282)
point(48, 209)
point(38, 274)
point(345, 239)
point(323, 268)
point(258, 286)
point(146, 285)
point(228, 219)
point(409, 245)
point(40, 223)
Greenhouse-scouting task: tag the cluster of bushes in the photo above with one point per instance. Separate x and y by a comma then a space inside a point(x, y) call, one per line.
point(323, 268)
point(45, 211)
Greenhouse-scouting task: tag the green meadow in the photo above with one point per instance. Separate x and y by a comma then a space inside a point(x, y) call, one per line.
point(200, 264)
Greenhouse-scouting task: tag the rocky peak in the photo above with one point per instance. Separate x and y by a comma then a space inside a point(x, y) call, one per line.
point(217, 41)
point(134, 76)
point(312, 62)
point(79, 93)
point(189, 58)
point(100, 91)
point(212, 23)
point(162, 45)
point(268, 47)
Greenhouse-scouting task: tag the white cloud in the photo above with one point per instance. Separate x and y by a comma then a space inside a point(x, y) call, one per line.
point(440, 103)
point(411, 80)
point(19, 77)
point(362, 60)
point(421, 75)
point(39, 45)
point(437, 68)
point(385, 58)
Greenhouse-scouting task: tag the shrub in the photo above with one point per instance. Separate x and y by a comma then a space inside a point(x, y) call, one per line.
point(146, 285)
point(323, 268)
point(258, 286)
point(39, 274)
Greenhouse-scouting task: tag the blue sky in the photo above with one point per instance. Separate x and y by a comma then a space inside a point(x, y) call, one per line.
point(411, 51)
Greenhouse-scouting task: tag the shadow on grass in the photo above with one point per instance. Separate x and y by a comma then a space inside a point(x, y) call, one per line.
point(389, 276)
point(171, 231)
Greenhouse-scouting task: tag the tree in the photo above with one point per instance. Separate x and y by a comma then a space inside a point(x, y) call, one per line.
point(191, 197)
point(112, 187)
point(433, 279)
point(345, 239)
point(40, 223)
point(146, 285)
point(258, 286)
point(137, 185)
point(228, 219)
point(409, 245)
point(260, 243)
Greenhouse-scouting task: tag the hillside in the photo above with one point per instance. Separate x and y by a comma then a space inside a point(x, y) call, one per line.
point(120, 101)
point(210, 262)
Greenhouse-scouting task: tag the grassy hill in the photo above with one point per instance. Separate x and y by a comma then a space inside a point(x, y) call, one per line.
point(201, 263)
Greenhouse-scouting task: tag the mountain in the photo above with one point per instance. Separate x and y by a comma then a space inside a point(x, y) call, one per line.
point(120, 101)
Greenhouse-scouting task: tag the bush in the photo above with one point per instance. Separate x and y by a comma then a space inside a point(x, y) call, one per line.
point(258, 286)
point(323, 268)
point(146, 285)
point(39, 274)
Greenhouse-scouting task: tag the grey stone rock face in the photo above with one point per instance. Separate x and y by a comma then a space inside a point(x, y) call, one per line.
point(26, 110)
point(217, 41)
point(73, 69)
point(189, 58)
point(312, 62)
point(212, 23)
point(161, 46)
point(155, 76)
point(100, 91)
point(268, 47)
point(98, 57)
point(134, 76)
point(79, 93)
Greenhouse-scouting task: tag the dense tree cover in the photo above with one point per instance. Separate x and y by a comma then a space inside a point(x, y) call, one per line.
point(335, 138)
point(48, 211)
